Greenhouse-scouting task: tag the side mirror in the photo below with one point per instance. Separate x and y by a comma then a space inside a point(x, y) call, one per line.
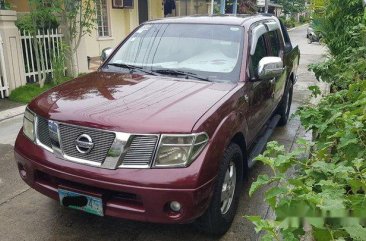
point(269, 68)
point(105, 54)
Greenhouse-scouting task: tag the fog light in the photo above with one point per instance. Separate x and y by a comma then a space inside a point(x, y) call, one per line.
point(175, 206)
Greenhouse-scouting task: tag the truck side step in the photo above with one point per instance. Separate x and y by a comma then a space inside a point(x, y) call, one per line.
point(262, 141)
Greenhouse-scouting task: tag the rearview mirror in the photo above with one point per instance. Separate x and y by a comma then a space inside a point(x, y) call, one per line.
point(105, 54)
point(269, 68)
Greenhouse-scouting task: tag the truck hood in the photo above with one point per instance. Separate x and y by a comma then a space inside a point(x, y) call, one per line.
point(130, 102)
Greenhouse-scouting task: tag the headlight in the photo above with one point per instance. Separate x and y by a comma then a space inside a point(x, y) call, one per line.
point(179, 150)
point(28, 124)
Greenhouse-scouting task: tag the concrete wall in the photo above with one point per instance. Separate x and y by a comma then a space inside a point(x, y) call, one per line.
point(122, 22)
point(13, 55)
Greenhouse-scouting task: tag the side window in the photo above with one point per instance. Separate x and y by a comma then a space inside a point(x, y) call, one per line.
point(275, 43)
point(260, 52)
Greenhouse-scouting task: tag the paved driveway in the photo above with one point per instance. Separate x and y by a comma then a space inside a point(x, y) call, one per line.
point(28, 215)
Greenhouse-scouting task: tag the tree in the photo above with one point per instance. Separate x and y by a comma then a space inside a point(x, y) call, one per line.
point(339, 24)
point(292, 6)
point(247, 6)
point(78, 18)
point(40, 18)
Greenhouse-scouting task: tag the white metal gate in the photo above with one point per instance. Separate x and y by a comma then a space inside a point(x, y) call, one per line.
point(4, 86)
point(51, 41)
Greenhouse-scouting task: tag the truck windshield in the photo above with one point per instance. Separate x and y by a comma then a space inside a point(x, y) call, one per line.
point(205, 51)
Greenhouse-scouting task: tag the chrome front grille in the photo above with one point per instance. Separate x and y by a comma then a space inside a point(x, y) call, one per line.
point(110, 150)
point(102, 142)
point(42, 132)
point(141, 150)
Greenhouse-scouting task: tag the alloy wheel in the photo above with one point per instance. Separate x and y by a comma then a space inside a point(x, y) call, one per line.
point(228, 188)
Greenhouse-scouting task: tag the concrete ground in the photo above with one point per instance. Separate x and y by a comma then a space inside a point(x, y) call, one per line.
point(28, 215)
point(7, 104)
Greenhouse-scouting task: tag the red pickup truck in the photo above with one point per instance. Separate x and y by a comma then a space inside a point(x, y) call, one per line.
point(169, 126)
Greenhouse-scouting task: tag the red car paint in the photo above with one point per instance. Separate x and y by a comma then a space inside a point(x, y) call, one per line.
point(146, 104)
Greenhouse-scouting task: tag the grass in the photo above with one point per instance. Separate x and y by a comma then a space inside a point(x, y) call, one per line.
point(26, 93)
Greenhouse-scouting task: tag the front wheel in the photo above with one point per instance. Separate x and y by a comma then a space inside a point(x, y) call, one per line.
point(220, 214)
point(285, 105)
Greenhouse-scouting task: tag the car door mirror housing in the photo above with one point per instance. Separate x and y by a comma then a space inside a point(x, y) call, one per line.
point(105, 54)
point(269, 68)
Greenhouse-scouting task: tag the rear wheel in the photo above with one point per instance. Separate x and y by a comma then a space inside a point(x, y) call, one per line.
point(285, 105)
point(218, 217)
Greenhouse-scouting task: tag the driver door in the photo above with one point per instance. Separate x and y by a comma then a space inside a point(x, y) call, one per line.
point(259, 92)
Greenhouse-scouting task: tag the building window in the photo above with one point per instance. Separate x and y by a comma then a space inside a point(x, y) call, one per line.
point(103, 18)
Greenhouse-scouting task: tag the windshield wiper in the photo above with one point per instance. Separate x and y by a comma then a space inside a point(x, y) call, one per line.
point(180, 72)
point(132, 68)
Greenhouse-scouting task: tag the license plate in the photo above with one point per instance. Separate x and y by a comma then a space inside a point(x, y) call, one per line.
point(86, 203)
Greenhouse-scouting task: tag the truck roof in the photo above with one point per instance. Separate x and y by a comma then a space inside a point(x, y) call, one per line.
point(238, 19)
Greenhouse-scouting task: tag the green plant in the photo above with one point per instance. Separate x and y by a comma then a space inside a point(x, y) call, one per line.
point(304, 19)
point(289, 23)
point(325, 191)
point(40, 18)
point(26, 93)
point(58, 65)
point(348, 65)
point(336, 23)
point(5, 5)
point(292, 6)
point(78, 19)
point(47, 21)
point(319, 192)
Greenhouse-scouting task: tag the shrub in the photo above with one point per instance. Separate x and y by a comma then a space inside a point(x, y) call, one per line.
point(42, 22)
point(327, 190)
point(58, 65)
point(304, 19)
point(5, 5)
point(289, 23)
point(337, 23)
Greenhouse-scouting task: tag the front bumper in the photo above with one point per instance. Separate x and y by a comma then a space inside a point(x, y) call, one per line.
point(142, 195)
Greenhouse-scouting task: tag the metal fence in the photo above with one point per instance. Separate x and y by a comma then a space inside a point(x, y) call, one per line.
point(4, 87)
point(51, 40)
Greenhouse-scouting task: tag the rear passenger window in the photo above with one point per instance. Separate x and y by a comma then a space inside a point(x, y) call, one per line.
point(260, 52)
point(275, 43)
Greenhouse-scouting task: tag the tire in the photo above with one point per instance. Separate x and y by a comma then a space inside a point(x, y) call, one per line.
point(285, 105)
point(218, 217)
point(310, 41)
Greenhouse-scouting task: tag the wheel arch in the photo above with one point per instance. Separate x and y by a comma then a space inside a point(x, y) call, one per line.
point(239, 139)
